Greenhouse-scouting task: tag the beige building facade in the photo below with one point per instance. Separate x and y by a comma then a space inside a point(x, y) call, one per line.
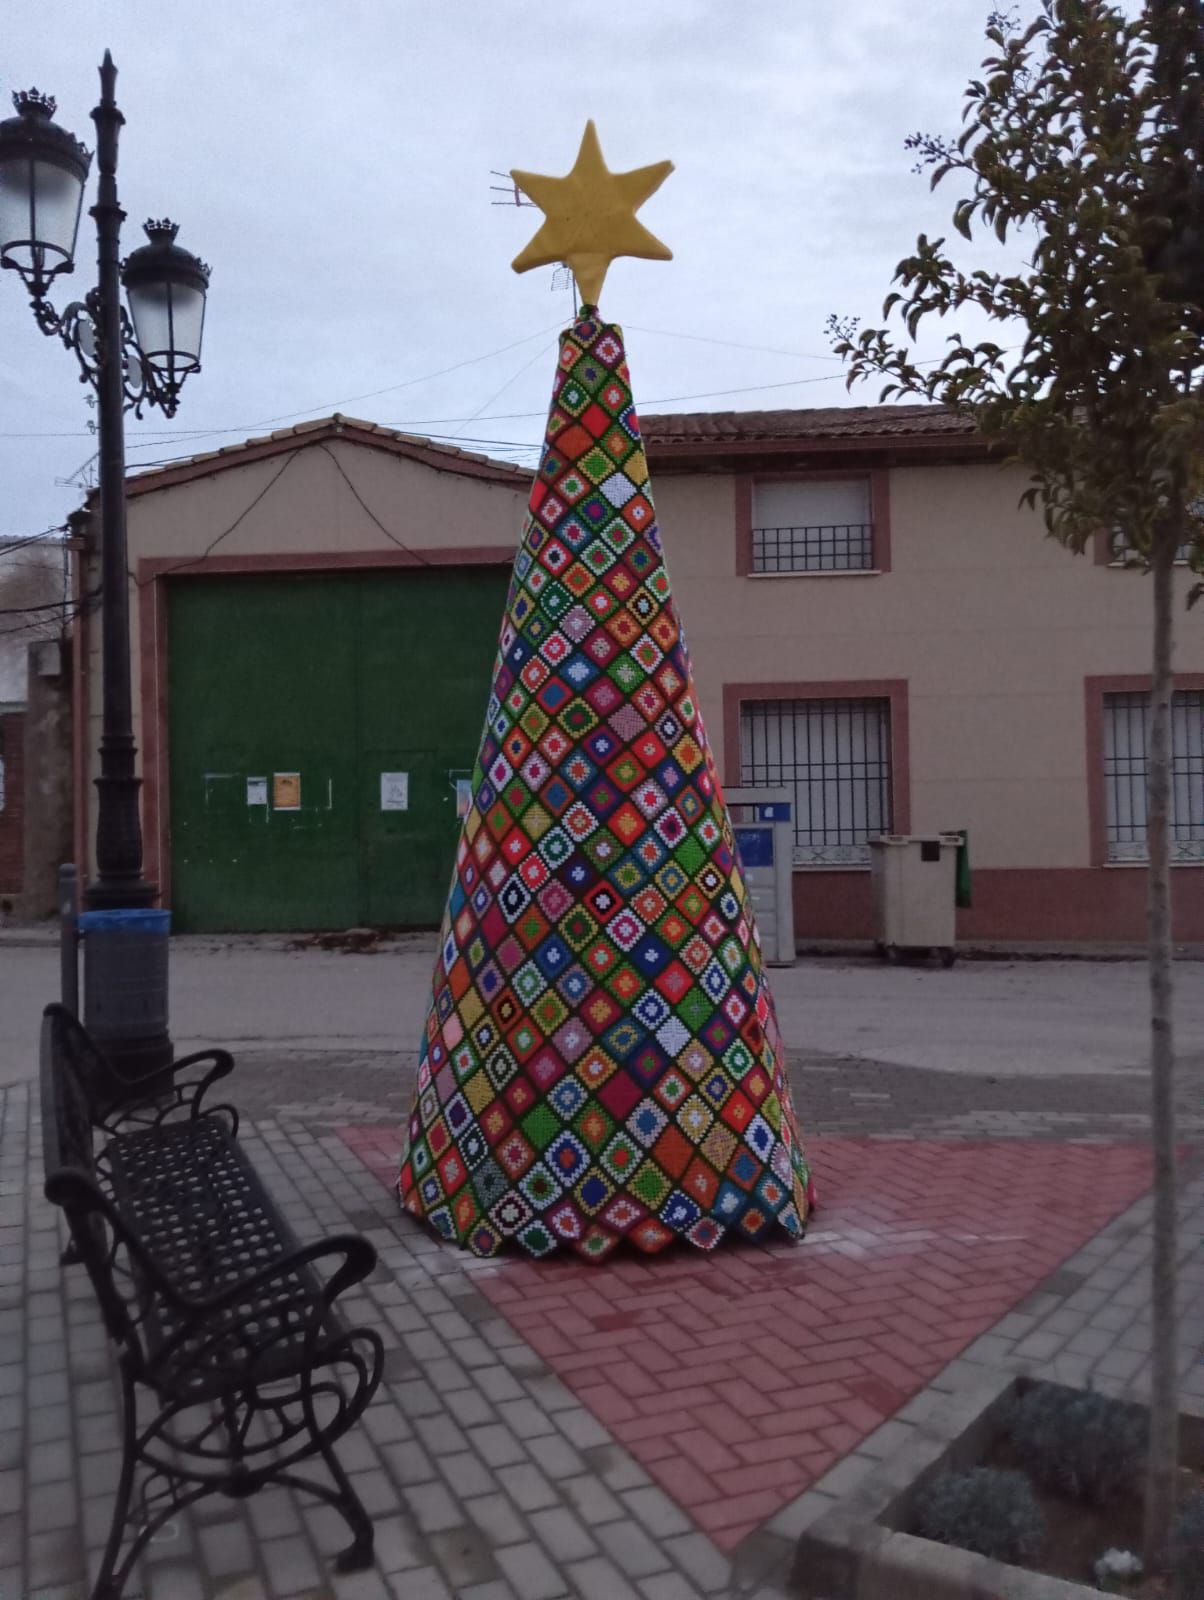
point(873, 621)
point(1007, 675)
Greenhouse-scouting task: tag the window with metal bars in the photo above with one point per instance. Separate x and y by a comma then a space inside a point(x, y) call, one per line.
point(1126, 771)
point(821, 525)
point(1119, 547)
point(835, 757)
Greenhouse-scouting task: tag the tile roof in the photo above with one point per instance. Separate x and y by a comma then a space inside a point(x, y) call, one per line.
point(447, 457)
point(823, 422)
point(662, 432)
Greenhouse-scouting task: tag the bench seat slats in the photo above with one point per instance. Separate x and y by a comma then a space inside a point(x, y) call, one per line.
point(192, 1197)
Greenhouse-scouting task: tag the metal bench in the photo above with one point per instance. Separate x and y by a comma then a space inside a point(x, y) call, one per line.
point(117, 1101)
point(235, 1364)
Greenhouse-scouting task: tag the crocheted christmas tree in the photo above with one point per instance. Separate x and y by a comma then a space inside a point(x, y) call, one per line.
point(601, 1059)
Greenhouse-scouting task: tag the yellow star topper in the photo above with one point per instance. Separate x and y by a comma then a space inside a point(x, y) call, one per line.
point(590, 216)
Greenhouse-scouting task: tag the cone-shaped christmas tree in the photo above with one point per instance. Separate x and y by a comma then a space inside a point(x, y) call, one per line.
point(601, 1057)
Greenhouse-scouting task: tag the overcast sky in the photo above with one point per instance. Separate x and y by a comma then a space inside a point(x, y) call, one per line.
point(331, 161)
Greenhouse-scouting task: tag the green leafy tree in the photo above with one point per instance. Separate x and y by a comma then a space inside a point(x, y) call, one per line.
point(1082, 142)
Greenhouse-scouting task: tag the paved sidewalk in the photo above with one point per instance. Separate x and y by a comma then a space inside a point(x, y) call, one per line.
point(506, 1456)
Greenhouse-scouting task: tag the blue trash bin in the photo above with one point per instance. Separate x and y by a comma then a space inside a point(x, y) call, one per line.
point(125, 974)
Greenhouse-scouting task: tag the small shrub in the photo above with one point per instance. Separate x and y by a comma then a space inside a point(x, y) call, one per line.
point(990, 1512)
point(1081, 1444)
point(1185, 1552)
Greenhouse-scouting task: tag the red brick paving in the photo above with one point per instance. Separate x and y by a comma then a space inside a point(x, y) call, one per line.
point(738, 1378)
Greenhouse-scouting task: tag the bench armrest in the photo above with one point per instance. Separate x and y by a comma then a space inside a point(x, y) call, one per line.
point(179, 1087)
point(358, 1260)
point(221, 1320)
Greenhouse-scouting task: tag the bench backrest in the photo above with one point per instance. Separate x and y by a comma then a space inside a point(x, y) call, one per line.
point(74, 1180)
point(102, 1086)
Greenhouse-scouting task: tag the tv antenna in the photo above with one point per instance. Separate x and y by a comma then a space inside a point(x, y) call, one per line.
point(83, 477)
point(509, 187)
point(562, 276)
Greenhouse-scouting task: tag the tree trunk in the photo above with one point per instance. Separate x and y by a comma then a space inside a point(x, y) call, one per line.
point(1164, 1377)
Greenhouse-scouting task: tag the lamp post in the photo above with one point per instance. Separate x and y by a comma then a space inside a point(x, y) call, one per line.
point(132, 360)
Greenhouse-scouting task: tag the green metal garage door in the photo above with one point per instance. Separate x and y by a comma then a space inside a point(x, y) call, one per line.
point(317, 726)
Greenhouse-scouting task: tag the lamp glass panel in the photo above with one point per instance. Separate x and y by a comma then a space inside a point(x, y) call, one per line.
point(150, 307)
point(168, 319)
point(15, 185)
point(57, 194)
point(188, 321)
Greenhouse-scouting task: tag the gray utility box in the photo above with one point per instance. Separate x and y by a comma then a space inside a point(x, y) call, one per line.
point(915, 893)
point(763, 820)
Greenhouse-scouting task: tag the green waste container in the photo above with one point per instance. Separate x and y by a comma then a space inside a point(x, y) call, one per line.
point(965, 896)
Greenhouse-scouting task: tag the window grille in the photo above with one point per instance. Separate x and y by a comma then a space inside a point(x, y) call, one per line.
point(835, 757)
point(1126, 771)
point(821, 525)
point(822, 547)
point(1119, 548)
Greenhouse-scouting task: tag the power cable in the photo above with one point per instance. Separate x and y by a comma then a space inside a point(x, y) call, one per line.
point(20, 611)
point(162, 436)
point(242, 516)
point(52, 627)
point(733, 344)
point(9, 547)
point(514, 377)
point(368, 511)
point(193, 561)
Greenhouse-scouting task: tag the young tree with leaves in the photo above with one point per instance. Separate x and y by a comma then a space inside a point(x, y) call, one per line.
point(1084, 140)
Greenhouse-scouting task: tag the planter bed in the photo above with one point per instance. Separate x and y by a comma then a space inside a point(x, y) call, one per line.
point(866, 1546)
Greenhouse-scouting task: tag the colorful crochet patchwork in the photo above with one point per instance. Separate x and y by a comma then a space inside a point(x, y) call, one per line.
point(601, 1057)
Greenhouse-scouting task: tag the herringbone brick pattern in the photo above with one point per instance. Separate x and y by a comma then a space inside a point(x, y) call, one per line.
point(737, 1380)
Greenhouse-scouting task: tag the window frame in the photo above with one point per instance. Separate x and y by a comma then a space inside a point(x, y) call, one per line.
point(876, 478)
point(893, 690)
point(1106, 556)
point(1097, 690)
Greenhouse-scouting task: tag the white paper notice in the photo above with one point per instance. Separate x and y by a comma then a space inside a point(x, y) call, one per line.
point(257, 791)
point(394, 791)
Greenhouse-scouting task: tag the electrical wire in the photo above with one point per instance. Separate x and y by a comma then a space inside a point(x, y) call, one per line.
point(527, 416)
point(23, 541)
point(733, 344)
point(242, 516)
point(20, 611)
point(431, 438)
point(485, 404)
point(68, 608)
point(163, 435)
point(425, 422)
point(368, 511)
point(292, 455)
point(52, 627)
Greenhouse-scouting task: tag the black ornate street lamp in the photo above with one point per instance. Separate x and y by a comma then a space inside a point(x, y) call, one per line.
point(131, 361)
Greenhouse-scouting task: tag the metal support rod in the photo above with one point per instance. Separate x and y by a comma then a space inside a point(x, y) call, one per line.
point(119, 882)
point(69, 938)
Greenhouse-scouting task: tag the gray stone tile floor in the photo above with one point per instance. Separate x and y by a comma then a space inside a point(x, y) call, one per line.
point(487, 1479)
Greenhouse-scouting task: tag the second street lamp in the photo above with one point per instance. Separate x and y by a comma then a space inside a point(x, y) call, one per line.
point(132, 361)
point(166, 287)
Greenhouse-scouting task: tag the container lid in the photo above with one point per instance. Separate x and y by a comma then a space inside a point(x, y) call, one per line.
point(888, 840)
point(125, 922)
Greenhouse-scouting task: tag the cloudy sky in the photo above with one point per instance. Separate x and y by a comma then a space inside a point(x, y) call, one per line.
point(332, 161)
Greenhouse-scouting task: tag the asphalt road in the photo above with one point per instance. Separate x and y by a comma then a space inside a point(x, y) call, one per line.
point(994, 1018)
